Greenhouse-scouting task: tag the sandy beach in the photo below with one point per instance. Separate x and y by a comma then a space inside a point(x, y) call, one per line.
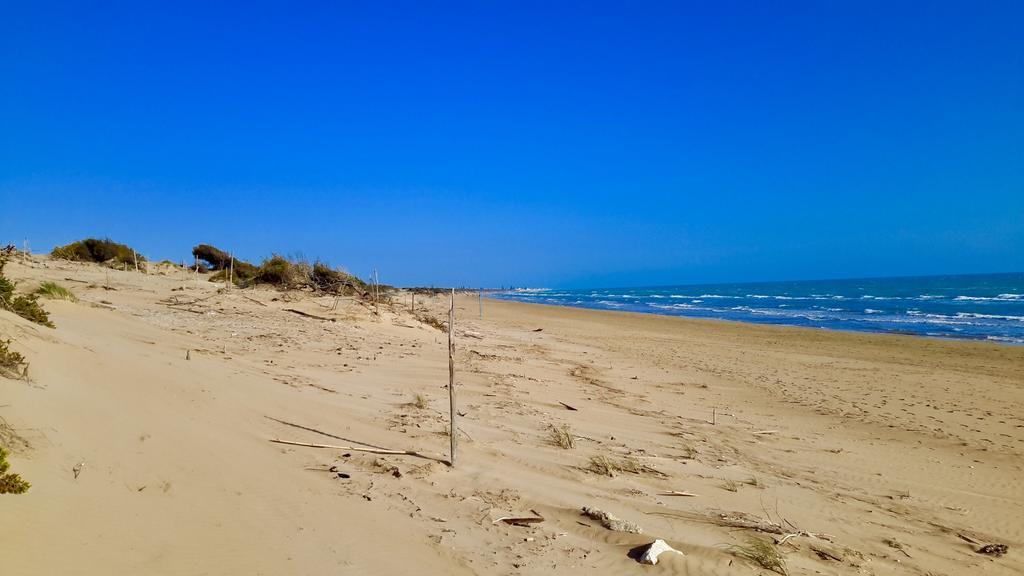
point(870, 454)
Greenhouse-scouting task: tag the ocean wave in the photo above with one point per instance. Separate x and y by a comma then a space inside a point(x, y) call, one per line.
point(999, 298)
point(872, 311)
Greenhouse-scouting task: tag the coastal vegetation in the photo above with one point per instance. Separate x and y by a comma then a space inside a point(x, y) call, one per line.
point(55, 291)
point(278, 271)
point(103, 251)
point(24, 305)
point(10, 483)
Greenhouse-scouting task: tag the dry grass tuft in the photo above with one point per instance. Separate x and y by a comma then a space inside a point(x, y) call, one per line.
point(419, 402)
point(761, 552)
point(731, 486)
point(562, 437)
point(605, 466)
point(55, 291)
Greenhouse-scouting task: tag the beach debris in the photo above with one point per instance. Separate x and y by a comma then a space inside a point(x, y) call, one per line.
point(538, 330)
point(567, 407)
point(827, 554)
point(188, 354)
point(677, 493)
point(896, 545)
point(995, 550)
point(471, 334)
point(321, 432)
point(521, 521)
point(766, 432)
point(610, 521)
point(352, 448)
point(308, 315)
point(77, 469)
point(655, 549)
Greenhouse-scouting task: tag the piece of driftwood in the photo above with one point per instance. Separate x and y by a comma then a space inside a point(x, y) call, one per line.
point(308, 315)
point(519, 520)
point(766, 432)
point(352, 448)
point(567, 407)
point(253, 300)
point(677, 493)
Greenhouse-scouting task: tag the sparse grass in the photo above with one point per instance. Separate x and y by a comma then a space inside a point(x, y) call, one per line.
point(605, 466)
point(419, 402)
point(731, 486)
point(562, 437)
point(761, 552)
point(10, 483)
point(55, 291)
point(12, 363)
point(689, 452)
point(434, 322)
point(753, 481)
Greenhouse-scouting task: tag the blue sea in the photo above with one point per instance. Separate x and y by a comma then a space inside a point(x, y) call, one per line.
point(975, 307)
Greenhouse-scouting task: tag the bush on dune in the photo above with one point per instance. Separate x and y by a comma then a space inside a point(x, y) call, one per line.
point(99, 251)
point(10, 483)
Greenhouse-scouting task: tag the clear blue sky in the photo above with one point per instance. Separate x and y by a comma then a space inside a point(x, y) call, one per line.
point(547, 143)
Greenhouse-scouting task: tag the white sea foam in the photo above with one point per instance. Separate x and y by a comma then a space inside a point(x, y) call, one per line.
point(872, 311)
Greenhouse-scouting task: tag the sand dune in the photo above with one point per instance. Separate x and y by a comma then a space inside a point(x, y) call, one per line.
point(860, 439)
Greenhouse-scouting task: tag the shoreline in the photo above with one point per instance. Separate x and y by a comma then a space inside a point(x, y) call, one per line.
point(779, 326)
point(977, 339)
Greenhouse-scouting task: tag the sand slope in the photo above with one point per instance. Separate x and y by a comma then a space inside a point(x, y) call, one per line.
point(873, 438)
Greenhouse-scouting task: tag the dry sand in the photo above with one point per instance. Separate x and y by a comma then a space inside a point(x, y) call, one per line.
point(869, 439)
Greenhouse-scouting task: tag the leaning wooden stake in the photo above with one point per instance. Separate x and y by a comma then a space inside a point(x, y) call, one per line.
point(352, 448)
point(451, 374)
point(231, 271)
point(136, 259)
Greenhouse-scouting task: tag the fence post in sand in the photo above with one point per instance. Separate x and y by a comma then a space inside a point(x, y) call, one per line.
point(135, 257)
point(481, 303)
point(714, 415)
point(451, 374)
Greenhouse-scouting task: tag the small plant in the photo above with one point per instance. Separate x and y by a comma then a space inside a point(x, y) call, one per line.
point(761, 552)
point(419, 402)
point(753, 481)
point(12, 363)
point(731, 486)
point(562, 437)
point(433, 322)
point(606, 466)
point(10, 483)
point(55, 291)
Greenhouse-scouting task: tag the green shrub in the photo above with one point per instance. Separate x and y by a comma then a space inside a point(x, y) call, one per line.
point(101, 251)
point(55, 291)
point(26, 306)
point(213, 257)
point(10, 483)
point(12, 364)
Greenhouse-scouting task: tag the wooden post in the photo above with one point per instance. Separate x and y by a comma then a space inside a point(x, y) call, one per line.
point(714, 415)
point(135, 257)
point(376, 293)
point(481, 303)
point(231, 271)
point(412, 303)
point(451, 374)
